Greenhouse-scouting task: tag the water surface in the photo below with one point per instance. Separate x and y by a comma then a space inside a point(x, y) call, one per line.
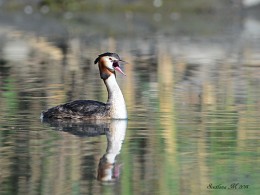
point(192, 96)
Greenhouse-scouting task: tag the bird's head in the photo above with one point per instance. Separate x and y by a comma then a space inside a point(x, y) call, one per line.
point(108, 63)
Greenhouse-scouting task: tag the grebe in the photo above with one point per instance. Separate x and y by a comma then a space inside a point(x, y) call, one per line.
point(115, 108)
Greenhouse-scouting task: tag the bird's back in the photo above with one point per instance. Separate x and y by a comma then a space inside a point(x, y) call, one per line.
point(79, 109)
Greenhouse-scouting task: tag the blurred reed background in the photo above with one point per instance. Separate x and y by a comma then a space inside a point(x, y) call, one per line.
point(192, 93)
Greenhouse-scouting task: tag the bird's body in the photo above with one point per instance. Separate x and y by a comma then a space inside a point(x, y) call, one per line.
point(115, 107)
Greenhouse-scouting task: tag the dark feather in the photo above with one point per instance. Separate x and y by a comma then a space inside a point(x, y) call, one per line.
point(106, 54)
point(79, 109)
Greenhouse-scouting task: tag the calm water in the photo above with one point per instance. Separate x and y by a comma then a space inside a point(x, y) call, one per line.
point(192, 95)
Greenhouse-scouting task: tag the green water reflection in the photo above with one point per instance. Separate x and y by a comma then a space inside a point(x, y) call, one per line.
point(193, 106)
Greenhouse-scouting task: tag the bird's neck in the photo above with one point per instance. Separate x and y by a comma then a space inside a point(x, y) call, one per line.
point(115, 98)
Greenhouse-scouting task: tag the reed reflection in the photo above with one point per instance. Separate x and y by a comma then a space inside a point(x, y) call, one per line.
point(108, 169)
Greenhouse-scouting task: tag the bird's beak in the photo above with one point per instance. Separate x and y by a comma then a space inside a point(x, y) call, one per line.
point(117, 66)
point(123, 61)
point(119, 70)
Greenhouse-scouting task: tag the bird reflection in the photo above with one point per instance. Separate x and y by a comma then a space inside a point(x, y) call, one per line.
point(108, 169)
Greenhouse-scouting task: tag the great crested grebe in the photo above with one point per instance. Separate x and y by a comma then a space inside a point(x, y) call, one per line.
point(115, 107)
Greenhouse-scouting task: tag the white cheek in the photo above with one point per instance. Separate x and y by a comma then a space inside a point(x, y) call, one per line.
point(109, 65)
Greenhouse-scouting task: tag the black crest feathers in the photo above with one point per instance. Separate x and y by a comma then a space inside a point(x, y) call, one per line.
point(106, 54)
